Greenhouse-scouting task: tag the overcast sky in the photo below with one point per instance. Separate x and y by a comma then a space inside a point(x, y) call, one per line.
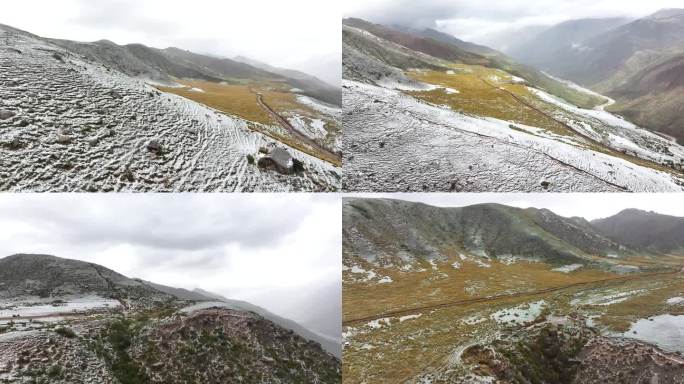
point(474, 20)
point(299, 34)
point(279, 251)
point(588, 205)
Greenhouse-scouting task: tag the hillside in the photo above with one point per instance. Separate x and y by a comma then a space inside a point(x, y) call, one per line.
point(554, 49)
point(637, 63)
point(644, 230)
point(394, 232)
point(91, 117)
point(45, 276)
point(69, 321)
point(488, 109)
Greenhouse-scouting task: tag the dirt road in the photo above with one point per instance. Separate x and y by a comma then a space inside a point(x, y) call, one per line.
point(297, 134)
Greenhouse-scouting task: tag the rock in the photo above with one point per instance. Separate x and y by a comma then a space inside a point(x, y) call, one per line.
point(297, 165)
point(279, 159)
point(250, 159)
point(13, 144)
point(114, 94)
point(64, 139)
point(545, 184)
point(5, 114)
point(263, 150)
point(154, 146)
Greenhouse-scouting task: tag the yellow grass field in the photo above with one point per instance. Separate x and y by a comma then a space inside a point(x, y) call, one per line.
point(487, 92)
point(431, 339)
point(237, 100)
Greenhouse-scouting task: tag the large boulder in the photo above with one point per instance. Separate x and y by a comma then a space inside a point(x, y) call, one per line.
point(278, 159)
point(154, 146)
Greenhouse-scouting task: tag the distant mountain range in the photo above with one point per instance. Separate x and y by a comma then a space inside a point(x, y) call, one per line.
point(447, 47)
point(393, 232)
point(639, 63)
point(643, 230)
point(166, 64)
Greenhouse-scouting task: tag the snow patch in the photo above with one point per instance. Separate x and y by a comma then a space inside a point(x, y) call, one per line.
point(519, 314)
point(568, 268)
point(409, 317)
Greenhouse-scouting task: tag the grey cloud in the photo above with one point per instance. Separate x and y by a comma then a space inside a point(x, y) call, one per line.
point(162, 223)
point(461, 14)
point(121, 14)
point(279, 251)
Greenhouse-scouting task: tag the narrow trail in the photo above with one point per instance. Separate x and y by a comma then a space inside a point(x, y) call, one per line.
point(414, 310)
point(297, 134)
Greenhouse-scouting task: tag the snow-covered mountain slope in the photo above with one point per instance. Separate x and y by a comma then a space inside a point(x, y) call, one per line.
point(394, 142)
point(415, 123)
point(68, 124)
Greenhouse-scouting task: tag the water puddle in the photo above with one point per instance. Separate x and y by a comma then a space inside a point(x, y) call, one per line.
point(665, 331)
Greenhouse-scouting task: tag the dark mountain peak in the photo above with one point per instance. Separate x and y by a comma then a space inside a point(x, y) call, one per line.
point(644, 230)
point(51, 276)
point(105, 42)
point(39, 260)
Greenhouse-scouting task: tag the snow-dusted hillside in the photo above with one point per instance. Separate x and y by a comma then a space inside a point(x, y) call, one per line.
point(394, 142)
point(396, 139)
point(67, 124)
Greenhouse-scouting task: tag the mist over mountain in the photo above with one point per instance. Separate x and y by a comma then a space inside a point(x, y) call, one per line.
point(636, 62)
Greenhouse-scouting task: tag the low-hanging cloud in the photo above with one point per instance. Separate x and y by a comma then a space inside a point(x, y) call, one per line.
point(475, 20)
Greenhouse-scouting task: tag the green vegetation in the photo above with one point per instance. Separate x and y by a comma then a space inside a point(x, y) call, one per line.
point(112, 345)
point(66, 332)
point(546, 358)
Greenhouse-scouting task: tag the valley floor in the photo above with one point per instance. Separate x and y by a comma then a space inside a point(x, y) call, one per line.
point(433, 321)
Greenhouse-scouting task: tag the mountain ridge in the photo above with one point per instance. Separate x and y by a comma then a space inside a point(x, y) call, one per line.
point(413, 231)
point(52, 276)
point(638, 63)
